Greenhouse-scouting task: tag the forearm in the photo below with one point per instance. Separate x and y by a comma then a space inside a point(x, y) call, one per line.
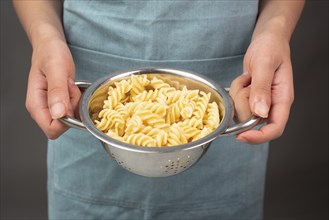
point(278, 17)
point(41, 20)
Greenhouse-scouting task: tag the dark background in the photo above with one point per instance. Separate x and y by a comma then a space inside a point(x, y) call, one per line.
point(297, 177)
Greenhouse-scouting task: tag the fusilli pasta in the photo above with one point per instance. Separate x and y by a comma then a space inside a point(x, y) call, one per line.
point(149, 112)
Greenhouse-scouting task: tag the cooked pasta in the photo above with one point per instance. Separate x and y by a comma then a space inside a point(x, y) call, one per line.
point(201, 105)
point(149, 112)
point(134, 125)
point(188, 109)
point(152, 119)
point(138, 84)
point(110, 119)
point(122, 110)
point(150, 95)
point(175, 110)
point(140, 140)
point(117, 94)
point(176, 135)
point(212, 119)
point(161, 85)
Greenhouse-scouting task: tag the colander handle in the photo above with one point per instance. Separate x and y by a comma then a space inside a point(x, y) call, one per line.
point(73, 122)
point(243, 126)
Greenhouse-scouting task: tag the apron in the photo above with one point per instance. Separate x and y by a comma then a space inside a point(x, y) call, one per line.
point(207, 37)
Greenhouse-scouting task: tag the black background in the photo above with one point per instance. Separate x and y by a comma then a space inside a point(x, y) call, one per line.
point(297, 177)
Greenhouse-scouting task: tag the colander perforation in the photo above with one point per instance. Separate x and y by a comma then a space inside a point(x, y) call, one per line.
point(177, 165)
point(121, 163)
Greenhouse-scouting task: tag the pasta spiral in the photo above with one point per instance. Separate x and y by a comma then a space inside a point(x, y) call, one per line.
point(176, 136)
point(149, 112)
point(201, 105)
point(138, 84)
point(134, 124)
point(150, 95)
point(152, 119)
point(117, 94)
point(212, 119)
point(110, 119)
point(140, 140)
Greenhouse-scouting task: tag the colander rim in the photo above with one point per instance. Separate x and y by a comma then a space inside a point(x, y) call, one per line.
point(90, 126)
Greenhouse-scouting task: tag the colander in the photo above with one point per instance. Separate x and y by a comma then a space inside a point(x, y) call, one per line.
point(156, 161)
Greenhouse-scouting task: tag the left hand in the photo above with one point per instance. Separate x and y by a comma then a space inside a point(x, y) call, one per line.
point(266, 87)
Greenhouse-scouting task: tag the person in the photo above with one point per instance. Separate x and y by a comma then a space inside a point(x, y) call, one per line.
point(242, 44)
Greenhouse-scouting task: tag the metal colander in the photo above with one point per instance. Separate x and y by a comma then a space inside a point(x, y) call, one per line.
point(156, 161)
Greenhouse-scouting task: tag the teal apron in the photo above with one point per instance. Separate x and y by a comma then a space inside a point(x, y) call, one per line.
point(207, 37)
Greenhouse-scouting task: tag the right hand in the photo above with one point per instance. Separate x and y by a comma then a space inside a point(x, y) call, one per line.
point(51, 92)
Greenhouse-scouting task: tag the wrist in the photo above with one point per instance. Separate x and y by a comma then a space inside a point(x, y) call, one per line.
point(44, 32)
point(277, 26)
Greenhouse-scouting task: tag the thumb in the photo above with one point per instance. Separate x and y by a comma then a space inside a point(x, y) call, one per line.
point(58, 94)
point(262, 72)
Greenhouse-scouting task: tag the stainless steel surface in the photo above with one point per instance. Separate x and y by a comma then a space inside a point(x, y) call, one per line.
point(243, 126)
point(156, 164)
point(72, 122)
point(83, 84)
point(157, 161)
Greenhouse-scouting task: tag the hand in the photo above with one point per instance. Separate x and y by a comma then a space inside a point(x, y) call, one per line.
point(266, 88)
point(51, 92)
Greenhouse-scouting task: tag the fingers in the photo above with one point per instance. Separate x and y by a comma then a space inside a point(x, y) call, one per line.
point(52, 128)
point(58, 94)
point(36, 104)
point(276, 122)
point(50, 95)
point(281, 101)
point(75, 95)
point(241, 104)
point(262, 70)
point(239, 91)
point(239, 83)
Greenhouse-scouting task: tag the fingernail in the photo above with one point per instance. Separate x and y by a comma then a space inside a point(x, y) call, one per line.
point(57, 110)
point(245, 73)
point(261, 109)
